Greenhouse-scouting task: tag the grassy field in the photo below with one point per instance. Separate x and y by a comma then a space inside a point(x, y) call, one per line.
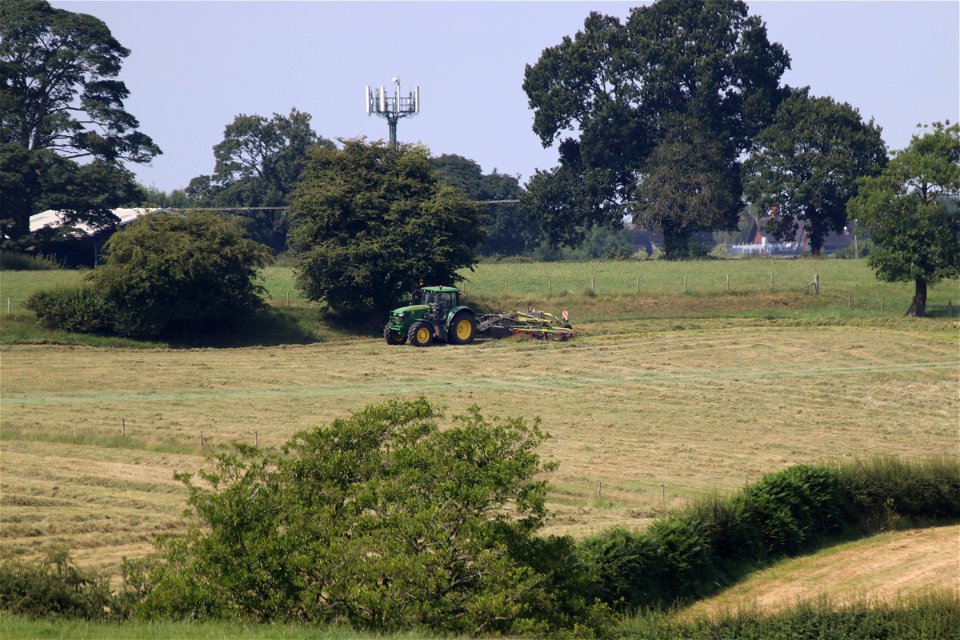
point(662, 397)
point(17, 627)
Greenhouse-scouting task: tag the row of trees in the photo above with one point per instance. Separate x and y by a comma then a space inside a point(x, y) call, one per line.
point(669, 119)
point(654, 115)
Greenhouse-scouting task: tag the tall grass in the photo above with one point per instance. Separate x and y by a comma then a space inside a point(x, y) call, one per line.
point(935, 616)
point(20, 628)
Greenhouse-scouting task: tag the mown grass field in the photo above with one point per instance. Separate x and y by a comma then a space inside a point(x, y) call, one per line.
point(662, 397)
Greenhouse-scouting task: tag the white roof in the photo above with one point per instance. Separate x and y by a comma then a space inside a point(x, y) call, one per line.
point(54, 218)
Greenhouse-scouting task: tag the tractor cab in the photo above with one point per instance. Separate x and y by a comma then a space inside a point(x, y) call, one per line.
point(440, 299)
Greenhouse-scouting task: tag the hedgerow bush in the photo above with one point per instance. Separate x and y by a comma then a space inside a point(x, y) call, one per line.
point(79, 309)
point(54, 587)
point(884, 490)
point(698, 551)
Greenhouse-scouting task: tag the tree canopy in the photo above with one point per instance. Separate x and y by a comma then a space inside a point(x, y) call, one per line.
point(371, 222)
point(60, 101)
point(912, 214)
point(257, 164)
point(807, 164)
point(612, 94)
point(687, 185)
point(509, 228)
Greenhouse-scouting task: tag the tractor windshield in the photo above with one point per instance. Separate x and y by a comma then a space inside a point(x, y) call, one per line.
point(445, 299)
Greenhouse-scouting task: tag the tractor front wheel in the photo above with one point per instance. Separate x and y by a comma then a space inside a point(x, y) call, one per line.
point(420, 334)
point(391, 336)
point(463, 329)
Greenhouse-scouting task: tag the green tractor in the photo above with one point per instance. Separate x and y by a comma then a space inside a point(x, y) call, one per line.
point(438, 316)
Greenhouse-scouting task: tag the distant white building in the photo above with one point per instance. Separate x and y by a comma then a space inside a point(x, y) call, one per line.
point(54, 218)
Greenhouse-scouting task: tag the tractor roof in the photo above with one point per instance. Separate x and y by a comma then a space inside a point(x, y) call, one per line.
point(440, 289)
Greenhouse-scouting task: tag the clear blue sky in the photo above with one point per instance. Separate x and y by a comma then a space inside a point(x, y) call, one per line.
point(196, 65)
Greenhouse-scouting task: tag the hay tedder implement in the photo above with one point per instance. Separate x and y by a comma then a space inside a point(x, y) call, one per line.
point(533, 323)
point(438, 315)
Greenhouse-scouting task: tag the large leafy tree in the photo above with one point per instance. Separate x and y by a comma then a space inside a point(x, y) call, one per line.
point(807, 164)
point(258, 163)
point(372, 221)
point(688, 184)
point(612, 94)
point(912, 215)
point(509, 228)
point(59, 96)
point(382, 519)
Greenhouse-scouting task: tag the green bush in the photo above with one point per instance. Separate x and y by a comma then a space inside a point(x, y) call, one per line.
point(55, 587)
point(80, 309)
point(786, 512)
point(382, 520)
point(164, 275)
point(173, 274)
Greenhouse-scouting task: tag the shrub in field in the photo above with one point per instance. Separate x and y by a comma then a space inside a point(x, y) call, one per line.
point(55, 587)
point(165, 274)
point(381, 520)
point(171, 273)
point(786, 512)
point(81, 309)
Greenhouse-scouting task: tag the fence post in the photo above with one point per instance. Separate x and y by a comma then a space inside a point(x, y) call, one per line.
point(638, 284)
point(728, 283)
point(849, 299)
point(201, 439)
point(881, 306)
point(684, 284)
point(816, 283)
point(123, 427)
point(771, 280)
point(593, 285)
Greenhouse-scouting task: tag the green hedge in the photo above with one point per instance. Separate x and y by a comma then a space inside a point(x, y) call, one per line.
point(78, 309)
point(55, 588)
point(715, 542)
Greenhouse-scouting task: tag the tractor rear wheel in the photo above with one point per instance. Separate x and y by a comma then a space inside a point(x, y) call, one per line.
point(463, 329)
point(420, 334)
point(391, 336)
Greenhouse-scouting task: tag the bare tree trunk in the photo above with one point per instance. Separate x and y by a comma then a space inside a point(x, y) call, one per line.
point(918, 307)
